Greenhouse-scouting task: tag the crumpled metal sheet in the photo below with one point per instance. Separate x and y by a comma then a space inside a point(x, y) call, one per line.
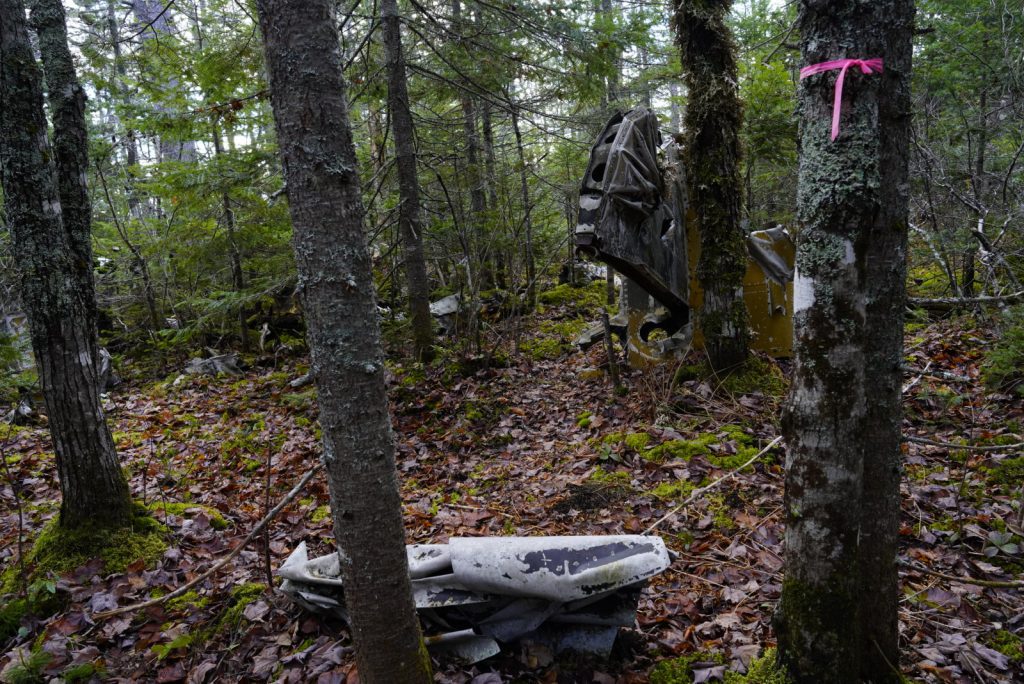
point(761, 247)
point(476, 593)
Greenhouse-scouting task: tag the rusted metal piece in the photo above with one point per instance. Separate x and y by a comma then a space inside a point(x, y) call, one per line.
point(474, 594)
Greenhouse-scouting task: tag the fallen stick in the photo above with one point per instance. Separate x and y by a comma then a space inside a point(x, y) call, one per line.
point(223, 561)
point(963, 447)
point(948, 303)
point(697, 492)
point(909, 385)
point(991, 584)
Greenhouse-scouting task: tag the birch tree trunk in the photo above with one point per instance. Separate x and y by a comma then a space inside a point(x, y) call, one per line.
point(308, 96)
point(408, 183)
point(838, 614)
point(713, 120)
point(52, 249)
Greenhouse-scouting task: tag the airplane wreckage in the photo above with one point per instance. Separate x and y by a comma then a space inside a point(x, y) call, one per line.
point(634, 216)
point(475, 594)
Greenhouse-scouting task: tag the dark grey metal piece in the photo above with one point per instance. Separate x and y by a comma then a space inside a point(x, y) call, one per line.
point(633, 209)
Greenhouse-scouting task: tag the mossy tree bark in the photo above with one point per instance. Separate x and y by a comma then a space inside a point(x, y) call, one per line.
point(409, 215)
point(309, 100)
point(837, 619)
point(51, 246)
point(713, 119)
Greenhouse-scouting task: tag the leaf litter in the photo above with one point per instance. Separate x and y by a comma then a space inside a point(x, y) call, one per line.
point(538, 447)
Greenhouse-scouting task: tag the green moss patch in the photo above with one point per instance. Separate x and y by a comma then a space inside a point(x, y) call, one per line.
point(677, 490)
point(57, 550)
point(553, 339)
point(617, 479)
point(190, 510)
point(763, 670)
point(680, 670)
point(743, 448)
point(190, 599)
point(15, 610)
point(1008, 472)
point(1007, 643)
point(1004, 364)
point(757, 374)
point(229, 620)
point(320, 514)
point(589, 297)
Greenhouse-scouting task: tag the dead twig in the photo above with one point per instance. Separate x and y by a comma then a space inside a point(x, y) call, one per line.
point(701, 490)
point(991, 584)
point(910, 385)
point(963, 447)
point(289, 497)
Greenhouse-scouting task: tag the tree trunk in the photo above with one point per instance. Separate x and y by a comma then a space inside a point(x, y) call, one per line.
point(493, 210)
point(309, 100)
point(477, 203)
point(408, 184)
point(51, 248)
point(234, 253)
point(713, 121)
point(837, 618)
point(673, 103)
point(524, 190)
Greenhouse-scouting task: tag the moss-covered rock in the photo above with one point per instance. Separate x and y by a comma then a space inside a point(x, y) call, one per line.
point(589, 297)
point(553, 339)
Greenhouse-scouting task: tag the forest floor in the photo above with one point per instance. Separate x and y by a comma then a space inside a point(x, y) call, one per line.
point(542, 446)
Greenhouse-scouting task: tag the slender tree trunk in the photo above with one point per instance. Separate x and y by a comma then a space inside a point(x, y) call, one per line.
point(155, 18)
point(978, 190)
point(52, 250)
point(493, 210)
point(524, 189)
point(408, 184)
point(613, 85)
point(309, 99)
point(713, 121)
point(140, 260)
point(130, 144)
point(673, 104)
point(234, 253)
point(477, 203)
point(838, 614)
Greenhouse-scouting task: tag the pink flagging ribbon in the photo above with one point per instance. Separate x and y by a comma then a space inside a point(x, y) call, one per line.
point(867, 66)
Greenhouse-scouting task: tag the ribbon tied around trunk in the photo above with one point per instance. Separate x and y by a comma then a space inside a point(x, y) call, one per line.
point(867, 66)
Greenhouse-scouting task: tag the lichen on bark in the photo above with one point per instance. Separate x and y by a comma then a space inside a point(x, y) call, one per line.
point(713, 119)
point(837, 616)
